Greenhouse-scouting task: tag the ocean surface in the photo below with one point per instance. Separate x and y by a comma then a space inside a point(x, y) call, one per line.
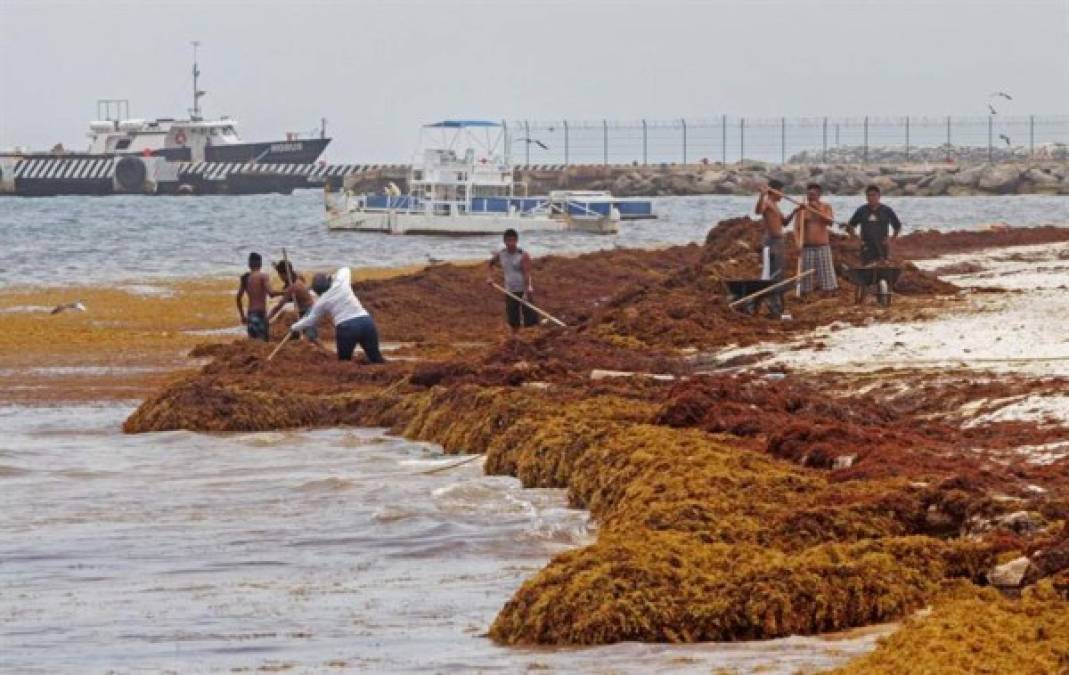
point(304, 551)
point(63, 240)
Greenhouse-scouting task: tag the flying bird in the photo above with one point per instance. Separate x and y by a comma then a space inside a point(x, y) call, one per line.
point(536, 142)
point(1005, 138)
point(1003, 95)
point(992, 109)
point(77, 306)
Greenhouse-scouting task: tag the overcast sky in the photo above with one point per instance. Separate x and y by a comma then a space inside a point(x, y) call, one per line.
point(377, 70)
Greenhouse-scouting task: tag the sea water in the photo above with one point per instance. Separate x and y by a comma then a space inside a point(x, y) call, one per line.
point(59, 241)
point(325, 550)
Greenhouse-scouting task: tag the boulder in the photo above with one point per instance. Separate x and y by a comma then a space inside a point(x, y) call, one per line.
point(998, 178)
point(1038, 180)
point(939, 184)
point(967, 177)
point(1011, 574)
point(885, 183)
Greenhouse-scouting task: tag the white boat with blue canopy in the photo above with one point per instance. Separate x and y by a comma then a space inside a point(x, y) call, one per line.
point(461, 182)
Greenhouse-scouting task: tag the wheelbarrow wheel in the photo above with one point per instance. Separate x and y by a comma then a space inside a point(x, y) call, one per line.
point(883, 293)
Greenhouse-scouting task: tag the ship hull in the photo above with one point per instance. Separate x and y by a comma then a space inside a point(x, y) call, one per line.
point(303, 151)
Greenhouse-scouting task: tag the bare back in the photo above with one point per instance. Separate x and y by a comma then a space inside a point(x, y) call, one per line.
point(257, 286)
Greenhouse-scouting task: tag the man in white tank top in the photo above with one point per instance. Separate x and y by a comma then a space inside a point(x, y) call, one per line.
point(516, 265)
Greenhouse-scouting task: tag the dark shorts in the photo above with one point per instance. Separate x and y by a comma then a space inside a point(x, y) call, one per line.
point(519, 314)
point(257, 327)
point(873, 250)
point(359, 331)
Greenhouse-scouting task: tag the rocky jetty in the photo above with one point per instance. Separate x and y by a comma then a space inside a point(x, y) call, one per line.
point(843, 179)
point(894, 177)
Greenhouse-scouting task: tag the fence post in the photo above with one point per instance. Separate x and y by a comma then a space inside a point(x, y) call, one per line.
point(824, 150)
point(684, 123)
point(566, 143)
point(907, 138)
point(948, 139)
point(604, 142)
point(1031, 137)
point(990, 139)
point(645, 157)
point(865, 151)
point(836, 134)
point(527, 142)
point(782, 140)
point(742, 139)
point(724, 139)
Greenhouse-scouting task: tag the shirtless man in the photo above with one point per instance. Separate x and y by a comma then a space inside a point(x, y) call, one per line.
point(257, 285)
point(816, 246)
point(773, 248)
point(294, 289)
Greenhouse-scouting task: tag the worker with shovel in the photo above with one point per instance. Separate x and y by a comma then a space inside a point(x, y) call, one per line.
point(519, 289)
point(295, 290)
point(773, 248)
point(814, 217)
point(352, 323)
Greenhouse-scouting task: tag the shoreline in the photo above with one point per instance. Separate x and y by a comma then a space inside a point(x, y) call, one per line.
point(727, 501)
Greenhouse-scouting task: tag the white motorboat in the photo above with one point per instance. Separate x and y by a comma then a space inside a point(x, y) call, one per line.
point(463, 184)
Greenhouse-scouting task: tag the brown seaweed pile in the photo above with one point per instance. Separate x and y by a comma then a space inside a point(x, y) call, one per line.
point(729, 506)
point(974, 630)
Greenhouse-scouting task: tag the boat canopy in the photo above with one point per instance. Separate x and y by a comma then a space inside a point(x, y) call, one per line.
point(462, 124)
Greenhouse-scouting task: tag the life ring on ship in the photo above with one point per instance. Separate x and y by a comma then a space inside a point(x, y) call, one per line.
point(180, 138)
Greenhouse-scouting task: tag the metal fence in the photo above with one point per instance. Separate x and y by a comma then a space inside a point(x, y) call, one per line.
point(727, 139)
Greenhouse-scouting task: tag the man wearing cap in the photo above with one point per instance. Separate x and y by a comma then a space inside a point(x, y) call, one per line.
point(352, 323)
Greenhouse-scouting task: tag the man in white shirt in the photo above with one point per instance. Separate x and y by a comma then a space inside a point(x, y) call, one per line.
point(352, 324)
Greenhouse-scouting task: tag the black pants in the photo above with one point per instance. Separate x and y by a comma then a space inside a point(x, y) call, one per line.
point(518, 313)
point(362, 331)
point(873, 249)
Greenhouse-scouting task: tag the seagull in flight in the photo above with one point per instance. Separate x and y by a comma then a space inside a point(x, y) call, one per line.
point(992, 109)
point(76, 306)
point(1005, 138)
point(536, 142)
point(1003, 95)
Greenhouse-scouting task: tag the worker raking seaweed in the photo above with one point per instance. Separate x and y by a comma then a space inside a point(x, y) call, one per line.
point(811, 227)
point(875, 220)
point(773, 247)
point(352, 323)
point(295, 290)
point(257, 285)
point(515, 263)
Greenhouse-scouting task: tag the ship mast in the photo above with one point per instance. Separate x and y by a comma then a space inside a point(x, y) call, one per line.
point(197, 93)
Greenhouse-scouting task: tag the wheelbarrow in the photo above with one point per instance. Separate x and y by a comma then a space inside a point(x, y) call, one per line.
point(882, 279)
point(742, 288)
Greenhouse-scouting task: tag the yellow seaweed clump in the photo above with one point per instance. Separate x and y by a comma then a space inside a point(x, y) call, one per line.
point(976, 630)
point(667, 586)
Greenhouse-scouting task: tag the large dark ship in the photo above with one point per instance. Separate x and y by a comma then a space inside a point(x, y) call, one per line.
point(192, 140)
point(170, 156)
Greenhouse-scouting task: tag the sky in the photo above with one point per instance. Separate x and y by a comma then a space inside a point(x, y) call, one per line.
point(378, 70)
